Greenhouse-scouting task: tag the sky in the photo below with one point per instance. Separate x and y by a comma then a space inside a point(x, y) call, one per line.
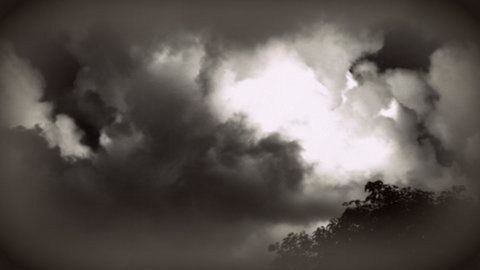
point(191, 134)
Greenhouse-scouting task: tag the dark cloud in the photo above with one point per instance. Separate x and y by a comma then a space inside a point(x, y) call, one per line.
point(58, 65)
point(227, 188)
point(404, 49)
point(241, 178)
point(189, 168)
point(89, 112)
point(9, 6)
point(171, 183)
point(443, 156)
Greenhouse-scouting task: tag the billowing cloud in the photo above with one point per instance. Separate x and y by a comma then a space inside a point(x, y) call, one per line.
point(188, 136)
point(453, 121)
point(21, 92)
point(21, 103)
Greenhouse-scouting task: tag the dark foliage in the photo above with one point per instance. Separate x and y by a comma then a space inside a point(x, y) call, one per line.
point(392, 228)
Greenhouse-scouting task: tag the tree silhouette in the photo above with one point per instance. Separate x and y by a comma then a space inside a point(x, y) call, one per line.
point(392, 228)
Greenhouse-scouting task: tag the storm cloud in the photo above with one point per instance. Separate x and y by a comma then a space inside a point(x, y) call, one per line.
point(142, 136)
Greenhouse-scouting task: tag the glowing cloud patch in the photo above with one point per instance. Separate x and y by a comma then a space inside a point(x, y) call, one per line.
point(286, 97)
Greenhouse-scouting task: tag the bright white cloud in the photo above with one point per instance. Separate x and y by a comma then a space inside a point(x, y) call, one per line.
point(454, 74)
point(410, 89)
point(286, 97)
point(392, 111)
point(20, 102)
point(20, 93)
point(372, 132)
point(64, 134)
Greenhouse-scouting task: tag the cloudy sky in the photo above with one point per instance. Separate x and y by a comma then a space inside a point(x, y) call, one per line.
point(189, 135)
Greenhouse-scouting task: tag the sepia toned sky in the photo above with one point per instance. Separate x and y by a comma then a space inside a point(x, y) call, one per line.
point(191, 134)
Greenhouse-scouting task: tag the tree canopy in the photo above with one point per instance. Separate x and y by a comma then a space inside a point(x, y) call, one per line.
point(392, 228)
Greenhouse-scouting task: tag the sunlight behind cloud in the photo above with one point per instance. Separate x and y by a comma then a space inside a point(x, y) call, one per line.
point(286, 97)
